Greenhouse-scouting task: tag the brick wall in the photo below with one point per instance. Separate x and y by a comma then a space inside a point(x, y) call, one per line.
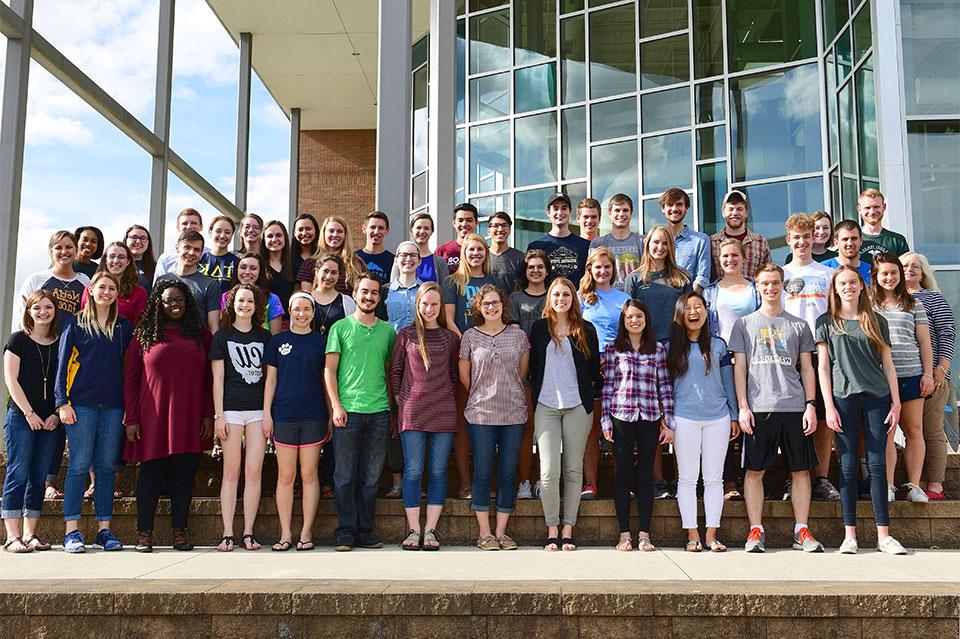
point(338, 175)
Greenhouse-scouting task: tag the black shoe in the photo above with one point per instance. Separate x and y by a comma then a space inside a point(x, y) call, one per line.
point(661, 489)
point(369, 542)
point(824, 490)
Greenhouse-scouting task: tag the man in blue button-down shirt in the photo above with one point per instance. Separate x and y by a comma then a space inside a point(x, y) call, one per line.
point(692, 249)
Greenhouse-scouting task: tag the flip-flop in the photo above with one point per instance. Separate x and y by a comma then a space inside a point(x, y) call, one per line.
point(281, 546)
point(551, 541)
point(568, 544)
point(305, 545)
point(716, 546)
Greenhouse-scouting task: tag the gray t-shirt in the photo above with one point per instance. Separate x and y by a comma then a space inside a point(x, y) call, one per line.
point(205, 289)
point(526, 309)
point(560, 387)
point(506, 267)
point(855, 365)
point(627, 252)
point(904, 347)
point(772, 346)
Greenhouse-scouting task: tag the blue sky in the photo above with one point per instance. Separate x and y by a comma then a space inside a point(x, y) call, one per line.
point(79, 169)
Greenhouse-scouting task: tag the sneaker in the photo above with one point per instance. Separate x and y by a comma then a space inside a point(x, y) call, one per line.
point(891, 493)
point(891, 546)
point(106, 540)
point(661, 489)
point(369, 542)
point(755, 541)
point(915, 493)
point(144, 542)
point(537, 489)
point(824, 490)
point(524, 491)
point(803, 540)
point(344, 546)
point(589, 491)
point(787, 490)
point(73, 542)
point(849, 546)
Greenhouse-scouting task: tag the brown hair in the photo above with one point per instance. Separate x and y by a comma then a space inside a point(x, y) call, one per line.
point(903, 298)
point(59, 236)
point(674, 195)
point(27, 321)
point(533, 254)
point(129, 278)
point(149, 261)
point(619, 200)
point(869, 323)
point(871, 193)
point(819, 215)
point(588, 203)
point(229, 315)
point(475, 312)
point(799, 222)
point(769, 267)
point(588, 286)
point(731, 241)
point(675, 275)
point(284, 252)
point(190, 212)
point(846, 225)
point(320, 261)
point(573, 317)
point(243, 242)
point(223, 218)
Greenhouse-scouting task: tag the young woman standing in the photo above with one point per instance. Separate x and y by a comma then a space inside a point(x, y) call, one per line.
point(29, 371)
point(433, 268)
point(276, 255)
point(306, 233)
point(330, 305)
point(250, 271)
point(564, 379)
point(89, 249)
point(132, 298)
point(659, 281)
point(860, 390)
point(423, 377)
point(236, 354)
point(334, 240)
point(251, 234)
point(912, 357)
point(220, 262)
point(637, 411)
point(137, 238)
point(167, 358)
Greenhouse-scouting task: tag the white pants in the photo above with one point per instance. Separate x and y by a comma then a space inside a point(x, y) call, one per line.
point(696, 444)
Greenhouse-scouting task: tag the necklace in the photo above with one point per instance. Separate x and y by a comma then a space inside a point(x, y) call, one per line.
point(45, 367)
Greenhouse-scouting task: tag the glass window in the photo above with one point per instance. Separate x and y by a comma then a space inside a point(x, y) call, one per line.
point(849, 197)
point(707, 38)
point(935, 189)
point(535, 138)
point(461, 7)
point(490, 42)
point(662, 16)
point(766, 32)
point(600, 3)
point(613, 65)
point(461, 72)
point(614, 170)
point(573, 137)
point(844, 56)
point(530, 217)
point(664, 62)
point(829, 73)
point(573, 60)
point(835, 201)
point(419, 190)
point(534, 31)
point(535, 87)
point(835, 15)
point(420, 111)
point(848, 134)
point(566, 6)
point(931, 56)
point(490, 157)
point(652, 215)
point(771, 204)
point(666, 162)
point(949, 283)
point(665, 110)
point(867, 123)
point(480, 5)
point(460, 179)
point(490, 204)
point(490, 96)
point(420, 52)
point(711, 142)
point(775, 120)
point(613, 119)
point(710, 102)
point(862, 38)
point(711, 187)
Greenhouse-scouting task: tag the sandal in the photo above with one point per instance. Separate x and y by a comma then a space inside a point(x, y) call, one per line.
point(281, 546)
point(568, 544)
point(305, 545)
point(394, 493)
point(36, 543)
point(250, 542)
point(226, 544)
point(51, 492)
point(625, 544)
point(551, 541)
point(693, 545)
point(412, 541)
point(326, 492)
point(732, 495)
point(645, 545)
point(431, 537)
point(716, 546)
point(89, 492)
point(16, 546)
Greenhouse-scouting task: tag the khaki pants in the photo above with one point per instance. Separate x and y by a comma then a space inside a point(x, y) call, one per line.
point(566, 428)
point(935, 461)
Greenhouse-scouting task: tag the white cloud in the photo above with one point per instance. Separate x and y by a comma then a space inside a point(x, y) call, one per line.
point(268, 190)
point(44, 129)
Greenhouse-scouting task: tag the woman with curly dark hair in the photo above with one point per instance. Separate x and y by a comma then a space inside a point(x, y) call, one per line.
point(167, 358)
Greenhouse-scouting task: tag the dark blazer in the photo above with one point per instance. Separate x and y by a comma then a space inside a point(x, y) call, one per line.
point(589, 381)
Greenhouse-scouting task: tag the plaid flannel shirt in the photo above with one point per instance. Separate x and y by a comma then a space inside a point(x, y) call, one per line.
point(755, 248)
point(635, 386)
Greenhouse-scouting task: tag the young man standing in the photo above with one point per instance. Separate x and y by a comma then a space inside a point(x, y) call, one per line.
point(355, 377)
point(377, 260)
point(755, 248)
point(187, 220)
point(205, 289)
point(465, 220)
point(805, 287)
point(871, 206)
point(625, 245)
point(567, 252)
point(691, 248)
point(588, 218)
point(776, 400)
point(505, 261)
point(848, 239)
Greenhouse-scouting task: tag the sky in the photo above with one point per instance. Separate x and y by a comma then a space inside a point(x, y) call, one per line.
point(81, 170)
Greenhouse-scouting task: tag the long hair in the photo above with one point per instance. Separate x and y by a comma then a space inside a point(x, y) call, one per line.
point(27, 321)
point(149, 331)
point(648, 343)
point(97, 233)
point(475, 304)
point(418, 322)
point(865, 314)
point(674, 275)
point(899, 293)
point(129, 279)
point(261, 278)
point(927, 280)
point(461, 276)
point(679, 350)
point(588, 286)
point(312, 247)
point(148, 262)
point(351, 266)
point(229, 314)
point(532, 254)
point(59, 236)
point(574, 318)
point(285, 267)
point(320, 261)
point(243, 242)
point(87, 318)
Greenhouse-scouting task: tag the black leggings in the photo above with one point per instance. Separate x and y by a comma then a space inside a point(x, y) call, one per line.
point(174, 475)
point(642, 435)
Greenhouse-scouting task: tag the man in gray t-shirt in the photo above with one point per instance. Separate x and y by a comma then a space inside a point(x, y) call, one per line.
point(625, 245)
point(205, 289)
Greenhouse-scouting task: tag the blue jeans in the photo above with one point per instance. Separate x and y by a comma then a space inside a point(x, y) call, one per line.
point(500, 443)
point(93, 441)
point(361, 447)
point(435, 447)
point(28, 457)
point(869, 412)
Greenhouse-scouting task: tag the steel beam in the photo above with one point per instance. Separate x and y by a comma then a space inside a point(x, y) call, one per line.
point(442, 129)
point(243, 123)
point(294, 165)
point(161, 124)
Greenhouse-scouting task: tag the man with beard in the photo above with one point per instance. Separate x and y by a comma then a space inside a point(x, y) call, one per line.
point(205, 289)
point(848, 239)
point(755, 248)
point(691, 248)
point(871, 206)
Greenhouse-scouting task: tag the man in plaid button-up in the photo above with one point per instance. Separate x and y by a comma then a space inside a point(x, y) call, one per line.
point(756, 250)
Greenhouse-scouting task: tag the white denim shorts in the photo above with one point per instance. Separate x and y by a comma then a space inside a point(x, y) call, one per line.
point(242, 417)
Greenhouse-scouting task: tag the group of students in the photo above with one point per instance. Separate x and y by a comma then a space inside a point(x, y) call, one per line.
point(674, 337)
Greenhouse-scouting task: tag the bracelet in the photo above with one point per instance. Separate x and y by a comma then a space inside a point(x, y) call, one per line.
point(218, 415)
point(927, 375)
point(944, 370)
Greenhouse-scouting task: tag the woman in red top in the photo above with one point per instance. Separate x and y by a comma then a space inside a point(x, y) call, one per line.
point(166, 360)
point(118, 261)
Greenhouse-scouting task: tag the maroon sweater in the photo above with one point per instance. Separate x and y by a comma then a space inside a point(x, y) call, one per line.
point(425, 397)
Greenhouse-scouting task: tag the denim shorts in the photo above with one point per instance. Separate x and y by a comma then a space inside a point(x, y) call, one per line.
point(909, 388)
point(242, 417)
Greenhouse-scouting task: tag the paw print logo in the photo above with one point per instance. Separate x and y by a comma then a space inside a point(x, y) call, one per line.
point(285, 349)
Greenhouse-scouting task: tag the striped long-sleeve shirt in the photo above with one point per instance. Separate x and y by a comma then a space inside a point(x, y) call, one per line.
point(635, 386)
point(943, 327)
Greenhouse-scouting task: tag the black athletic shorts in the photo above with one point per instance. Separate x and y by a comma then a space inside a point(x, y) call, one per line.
point(821, 408)
point(300, 434)
point(783, 431)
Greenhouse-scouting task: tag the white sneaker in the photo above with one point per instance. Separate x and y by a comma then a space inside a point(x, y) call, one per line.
point(915, 493)
point(524, 491)
point(536, 490)
point(891, 493)
point(890, 546)
point(849, 546)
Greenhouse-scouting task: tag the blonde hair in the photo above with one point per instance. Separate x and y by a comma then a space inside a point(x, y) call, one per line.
point(87, 318)
point(461, 276)
point(869, 323)
point(799, 222)
point(418, 322)
point(927, 280)
point(731, 241)
point(675, 276)
point(871, 193)
point(574, 318)
point(351, 263)
point(588, 286)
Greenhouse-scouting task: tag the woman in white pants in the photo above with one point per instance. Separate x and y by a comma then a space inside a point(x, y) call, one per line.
point(705, 408)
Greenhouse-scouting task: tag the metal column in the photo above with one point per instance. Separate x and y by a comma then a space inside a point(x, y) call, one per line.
point(294, 165)
point(243, 122)
point(161, 125)
point(442, 130)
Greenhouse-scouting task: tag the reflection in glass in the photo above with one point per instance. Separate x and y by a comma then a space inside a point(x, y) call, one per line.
point(420, 111)
point(573, 137)
point(419, 191)
point(530, 217)
point(572, 59)
point(762, 33)
point(711, 142)
point(710, 103)
point(665, 110)
point(613, 65)
point(848, 139)
point(566, 6)
point(664, 62)
point(461, 71)
point(844, 56)
point(460, 178)
point(534, 31)
point(707, 38)
point(862, 38)
point(490, 204)
point(480, 5)
point(666, 162)
point(614, 170)
point(931, 56)
point(867, 123)
point(535, 87)
point(849, 199)
point(613, 119)
point(711, 187)
point(490, 157)
point(461, 7)
point(535, 138)
point(662, 16)
point(835, 201)
point(490, 42)
point(420, 52)
point(829, 72)
point(771, 204)
point(949, 283)
point(775, 120)
point(652, 215)
point(490, 96)
point(935, 189)
point(835, 15)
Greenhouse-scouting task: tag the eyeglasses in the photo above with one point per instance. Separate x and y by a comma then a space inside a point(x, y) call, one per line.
point(251, 227)
point(139, 239)
point(492, 304)
point(117, 258)
point(496, 227)
point(408, 256)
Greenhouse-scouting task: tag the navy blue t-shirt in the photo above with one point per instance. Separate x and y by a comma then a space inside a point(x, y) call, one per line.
point(299, 362)
point(568, 255)
point(379, 265)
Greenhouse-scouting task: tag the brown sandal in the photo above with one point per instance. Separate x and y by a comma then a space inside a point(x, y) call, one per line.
point(625, 544)
point(35, 543)
point(16, 546)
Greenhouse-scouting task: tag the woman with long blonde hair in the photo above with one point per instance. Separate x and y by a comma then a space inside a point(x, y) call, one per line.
point(659, 281)
point(334, 240)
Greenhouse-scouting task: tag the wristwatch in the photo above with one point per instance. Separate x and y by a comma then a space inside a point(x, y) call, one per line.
point(811, 402)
